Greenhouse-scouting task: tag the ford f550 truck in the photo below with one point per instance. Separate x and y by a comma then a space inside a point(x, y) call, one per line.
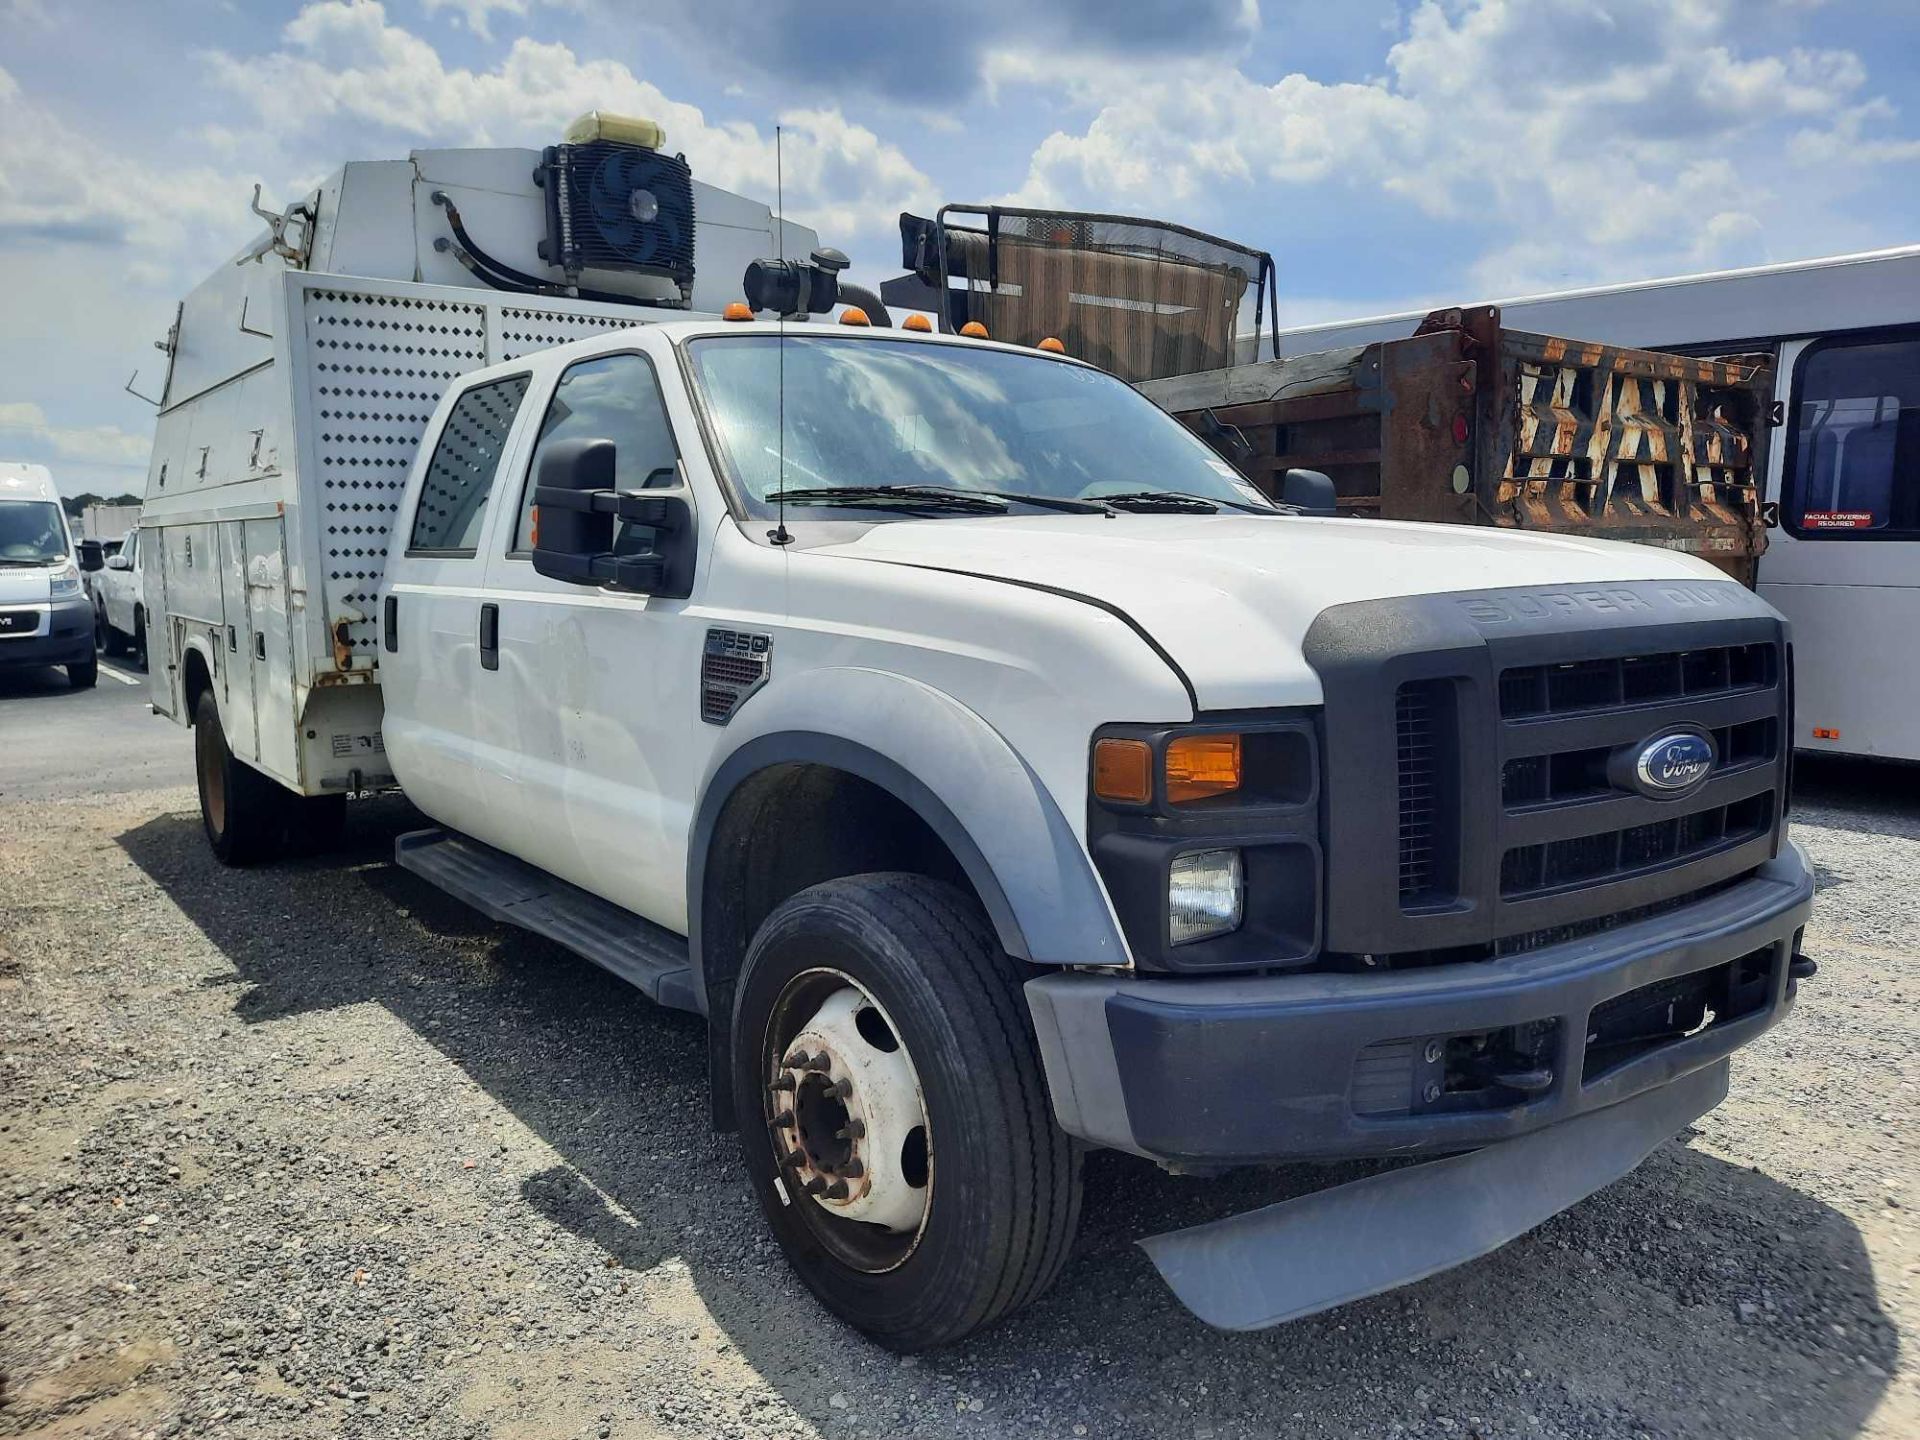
point(1000, 775)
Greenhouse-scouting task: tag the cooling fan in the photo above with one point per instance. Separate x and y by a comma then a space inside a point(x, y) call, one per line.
point(618, 206)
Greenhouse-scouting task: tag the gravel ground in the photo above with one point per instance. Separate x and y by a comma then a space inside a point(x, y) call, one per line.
point(313, 1151)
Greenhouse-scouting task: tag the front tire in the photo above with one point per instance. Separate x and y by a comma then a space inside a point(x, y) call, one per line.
point(83, 674)
point(893, 1111)
point(243, 812)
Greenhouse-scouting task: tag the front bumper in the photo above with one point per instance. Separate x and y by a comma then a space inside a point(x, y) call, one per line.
point(62, 635)
point(1225, 1071)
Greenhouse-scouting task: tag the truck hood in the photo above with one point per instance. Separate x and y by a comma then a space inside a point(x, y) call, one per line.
point(23, 585)
point(1230, 597)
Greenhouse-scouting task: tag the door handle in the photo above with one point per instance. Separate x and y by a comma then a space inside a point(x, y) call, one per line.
point(390, 623)
point(489, 636)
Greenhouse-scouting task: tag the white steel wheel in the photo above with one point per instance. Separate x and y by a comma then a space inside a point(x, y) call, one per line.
point(848, 1120)
point(892, 1112)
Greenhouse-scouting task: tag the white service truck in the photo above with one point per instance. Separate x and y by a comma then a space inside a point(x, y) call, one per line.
point(997, 773)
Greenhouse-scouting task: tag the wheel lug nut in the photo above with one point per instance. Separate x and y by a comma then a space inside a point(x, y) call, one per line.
point(840, 1089)
point(783, 1082)
point(852, 1130)
point(837, 1190)
point(796, 1060)
point(822, 1061)
point(815, 1186)
point(782, 1121)
point(853, 1169)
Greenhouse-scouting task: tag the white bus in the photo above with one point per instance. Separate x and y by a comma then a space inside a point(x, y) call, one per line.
point(1843, 471)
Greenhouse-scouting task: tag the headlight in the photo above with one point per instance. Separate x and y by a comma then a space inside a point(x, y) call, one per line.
point(1205, 895)
point(64, 583)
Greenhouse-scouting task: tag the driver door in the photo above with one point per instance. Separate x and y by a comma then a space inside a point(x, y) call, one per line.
point(596, 692)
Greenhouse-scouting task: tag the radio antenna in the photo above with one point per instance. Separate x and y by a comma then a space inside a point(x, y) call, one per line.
point(780, 535)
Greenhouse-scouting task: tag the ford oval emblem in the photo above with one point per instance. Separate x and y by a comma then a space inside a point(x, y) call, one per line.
point(1672, 764)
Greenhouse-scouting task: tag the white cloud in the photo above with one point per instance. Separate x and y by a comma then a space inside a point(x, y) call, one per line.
point(346, 59)
point(97, 194)
point(1598, 135)
point(477, 15)
point(25, 426)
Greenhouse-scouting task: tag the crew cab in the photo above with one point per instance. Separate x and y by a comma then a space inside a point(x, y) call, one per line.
point(45, 618)
point(1001, 775)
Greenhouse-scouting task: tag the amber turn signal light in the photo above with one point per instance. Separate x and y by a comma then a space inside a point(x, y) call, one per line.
point(737, 310)
point(1199, 766)
point(1123, 770)
point(919, 324)
point(974, 330)
point(854, 315)
point(1052, 345)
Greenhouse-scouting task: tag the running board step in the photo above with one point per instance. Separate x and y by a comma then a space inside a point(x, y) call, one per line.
point(638, 951)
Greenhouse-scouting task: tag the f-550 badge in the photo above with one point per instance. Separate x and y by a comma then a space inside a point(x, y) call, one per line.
point(734, 664)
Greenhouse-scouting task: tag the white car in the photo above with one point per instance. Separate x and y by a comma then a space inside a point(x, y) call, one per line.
point(119, 610)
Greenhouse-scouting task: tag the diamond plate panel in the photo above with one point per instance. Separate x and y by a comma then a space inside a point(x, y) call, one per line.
point(523, 329)
point(380, 364)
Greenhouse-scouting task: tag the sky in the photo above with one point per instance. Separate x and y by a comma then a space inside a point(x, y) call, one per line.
point(1392, 154)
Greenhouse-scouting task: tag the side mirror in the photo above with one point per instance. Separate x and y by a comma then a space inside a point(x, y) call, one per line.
point(91, 557)
point(1309, 492)
point(584, 530)
point(119, 562)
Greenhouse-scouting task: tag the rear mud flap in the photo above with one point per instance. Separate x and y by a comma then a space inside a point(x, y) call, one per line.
point(1286, 1261)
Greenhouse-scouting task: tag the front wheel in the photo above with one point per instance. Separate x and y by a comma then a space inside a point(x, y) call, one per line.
point(893, 1111)
point(243, 812)
point(83, 674)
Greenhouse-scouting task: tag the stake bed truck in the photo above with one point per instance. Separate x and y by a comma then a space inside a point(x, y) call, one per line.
point(997, 772)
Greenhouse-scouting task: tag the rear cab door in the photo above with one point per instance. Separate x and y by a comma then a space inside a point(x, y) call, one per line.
point(436, 616)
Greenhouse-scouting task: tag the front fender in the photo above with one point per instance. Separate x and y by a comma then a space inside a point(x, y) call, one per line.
point(951, 768)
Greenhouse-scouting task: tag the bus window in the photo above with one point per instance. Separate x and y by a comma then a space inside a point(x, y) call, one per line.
point(1854, 453)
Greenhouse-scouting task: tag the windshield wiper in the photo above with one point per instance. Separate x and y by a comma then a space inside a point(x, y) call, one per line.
point(31, 564)
point(1179, 500)
point(914, 497)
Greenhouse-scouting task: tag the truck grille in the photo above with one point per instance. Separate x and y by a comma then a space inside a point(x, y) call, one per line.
point(1479, 756)
point(1423, 741)
point(1570, 688)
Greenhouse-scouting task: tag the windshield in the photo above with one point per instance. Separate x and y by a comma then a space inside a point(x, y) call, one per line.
point(31, 533)
point(866, 412)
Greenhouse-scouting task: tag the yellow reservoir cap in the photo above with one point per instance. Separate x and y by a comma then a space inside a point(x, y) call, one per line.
point(625, 129)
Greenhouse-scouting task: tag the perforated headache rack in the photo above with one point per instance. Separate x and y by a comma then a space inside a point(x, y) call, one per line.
point(1140, 298)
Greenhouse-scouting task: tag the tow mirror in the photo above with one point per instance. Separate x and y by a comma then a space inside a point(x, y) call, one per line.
point(92, 558)
point(1309, 492)
point(586, 532)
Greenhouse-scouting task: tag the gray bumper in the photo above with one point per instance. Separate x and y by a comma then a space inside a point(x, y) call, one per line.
point(1235, 1070)
point(1293, 1259)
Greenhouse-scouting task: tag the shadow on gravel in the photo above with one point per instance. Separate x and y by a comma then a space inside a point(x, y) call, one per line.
point(1876, 797)
point(1693, 1297)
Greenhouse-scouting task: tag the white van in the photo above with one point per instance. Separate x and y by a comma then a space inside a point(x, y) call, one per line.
point(45, 618)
